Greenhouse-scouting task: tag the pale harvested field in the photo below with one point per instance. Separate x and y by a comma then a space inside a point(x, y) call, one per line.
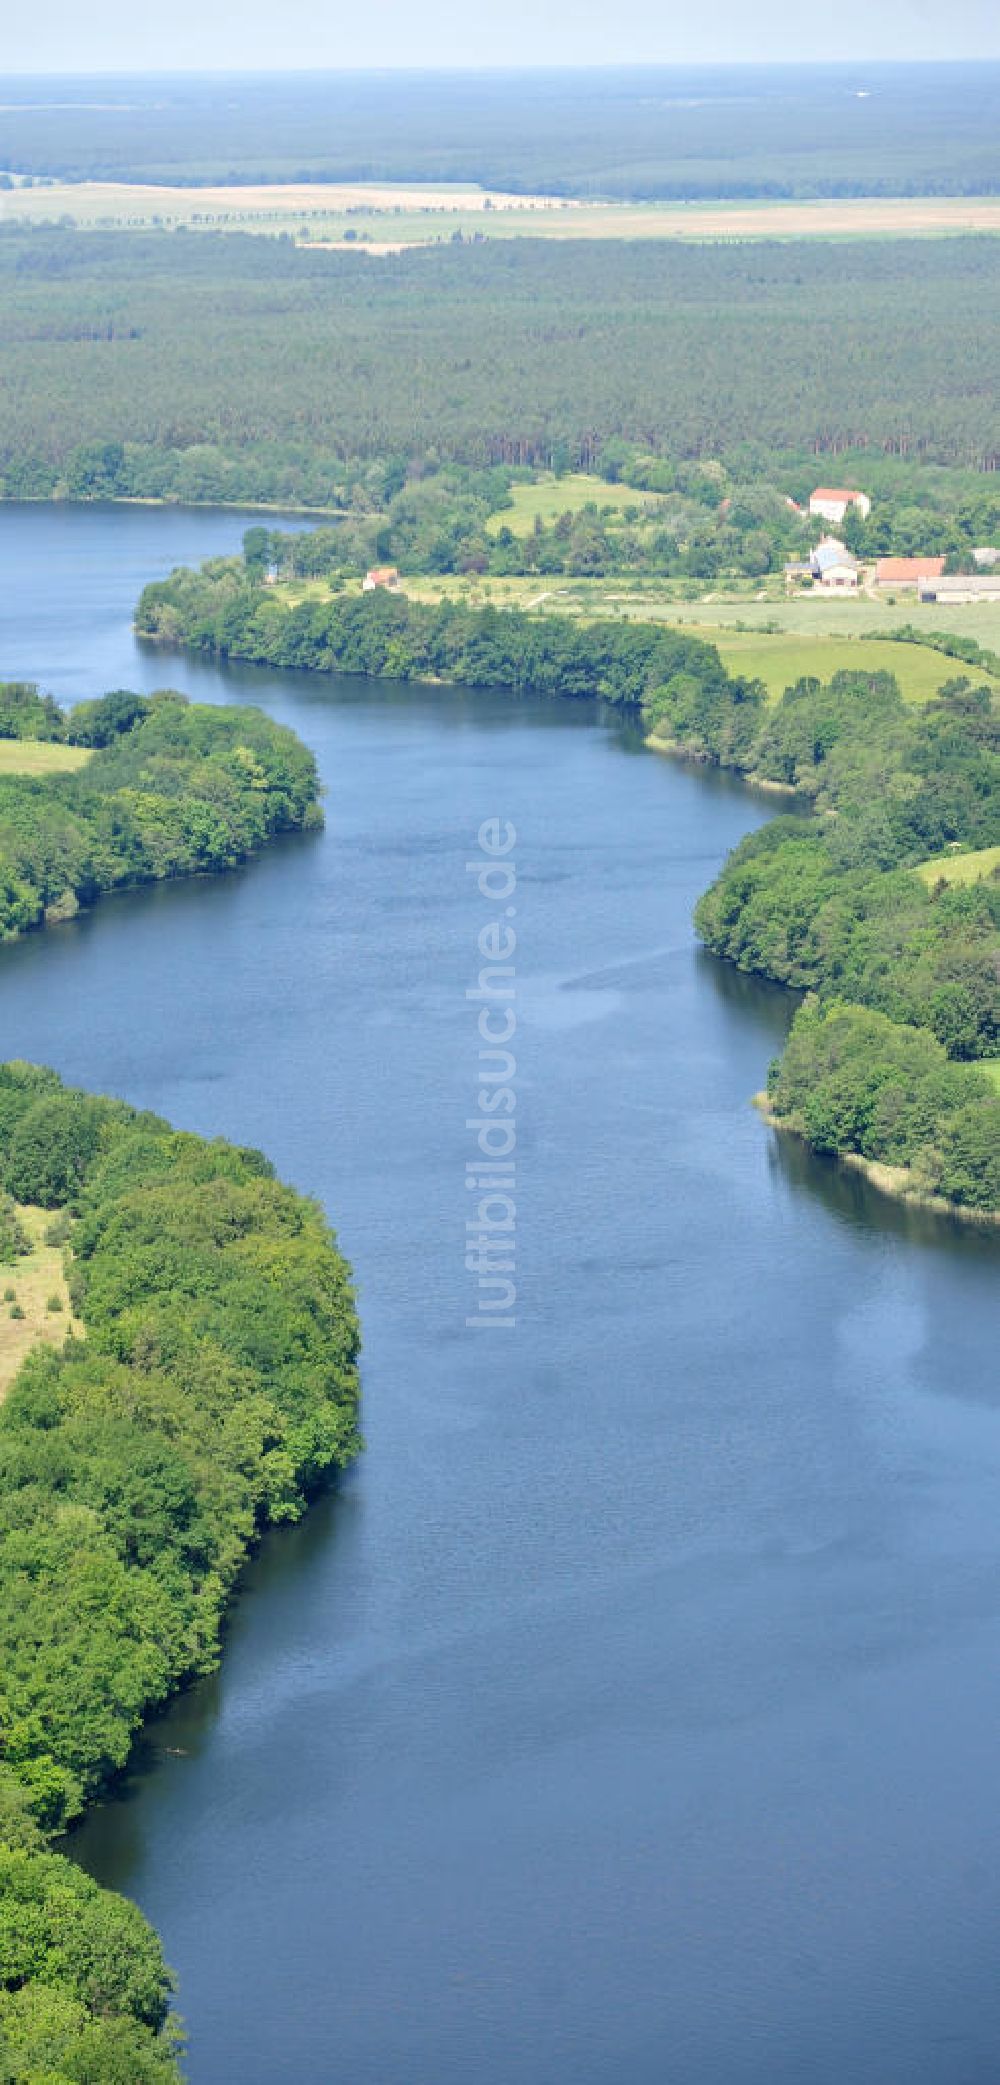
point(424, 214)
point(93, 202)
point(34, 1277)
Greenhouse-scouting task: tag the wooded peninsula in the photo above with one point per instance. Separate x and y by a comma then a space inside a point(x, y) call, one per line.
point(210, 1386)
point(162, 787)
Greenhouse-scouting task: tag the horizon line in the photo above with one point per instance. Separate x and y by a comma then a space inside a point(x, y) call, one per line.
point(489, 67)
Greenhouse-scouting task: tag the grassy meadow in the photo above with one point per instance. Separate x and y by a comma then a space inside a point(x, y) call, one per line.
point(550, 496)
point(780, 661)
point(36, 1278)
point(30, 756)
point(961, 868)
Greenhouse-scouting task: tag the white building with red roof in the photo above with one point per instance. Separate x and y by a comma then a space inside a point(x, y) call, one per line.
point(831, 502)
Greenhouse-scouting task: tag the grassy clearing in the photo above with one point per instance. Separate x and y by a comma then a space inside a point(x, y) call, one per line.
point(960, 868)
point(32, 756)
point(552, 496)
point(992, 1069)
point(389, 215)
point(34, 1277)
point(779, 661)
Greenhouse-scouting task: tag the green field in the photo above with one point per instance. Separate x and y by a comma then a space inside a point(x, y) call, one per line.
point(780, 661)
point(812, 615)
point(759, 607)
point(31, 756)
point(551, 496)
point(960, 868)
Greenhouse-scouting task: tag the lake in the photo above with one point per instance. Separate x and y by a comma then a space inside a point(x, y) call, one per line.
point(631, 1713)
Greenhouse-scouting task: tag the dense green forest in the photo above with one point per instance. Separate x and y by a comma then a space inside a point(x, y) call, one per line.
point(172, 788)
point(216, 1385)
point(678, 131)
point(827, 905)
point(227, 367)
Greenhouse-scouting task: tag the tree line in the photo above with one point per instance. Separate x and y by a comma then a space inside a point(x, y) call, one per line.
point(222, 609)
point(216, 1386)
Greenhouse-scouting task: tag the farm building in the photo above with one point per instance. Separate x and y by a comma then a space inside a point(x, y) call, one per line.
point(956, 591)
point(831, 502)
point(907, 571)
point(833, 567)
point(385, 576)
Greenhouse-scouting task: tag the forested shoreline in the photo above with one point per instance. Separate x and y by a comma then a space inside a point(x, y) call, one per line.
point(171, 788)
point(224, 610)
point(829, 905)
point(214, 1383)
point(214, 1387)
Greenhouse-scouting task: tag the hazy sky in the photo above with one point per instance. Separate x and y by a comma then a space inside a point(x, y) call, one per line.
point(124, 35)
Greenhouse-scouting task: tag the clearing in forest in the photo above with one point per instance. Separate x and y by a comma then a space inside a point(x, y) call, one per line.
point(37, 1278)
point(35, 756)
point(549, 497)
point(961, 868)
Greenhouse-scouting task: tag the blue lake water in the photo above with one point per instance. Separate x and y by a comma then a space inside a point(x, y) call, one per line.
point(631, 1713)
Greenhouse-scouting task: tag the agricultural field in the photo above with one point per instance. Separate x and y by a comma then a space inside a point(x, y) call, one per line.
point(37, 1279)
point(389, 214)
point(29, 756)
point(383, 218)
point(960, 868)
point(780, 661)
point(812, 615)
point(756, 610)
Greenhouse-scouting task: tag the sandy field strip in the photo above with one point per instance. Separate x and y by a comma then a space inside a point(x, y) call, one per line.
point(421, 213)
